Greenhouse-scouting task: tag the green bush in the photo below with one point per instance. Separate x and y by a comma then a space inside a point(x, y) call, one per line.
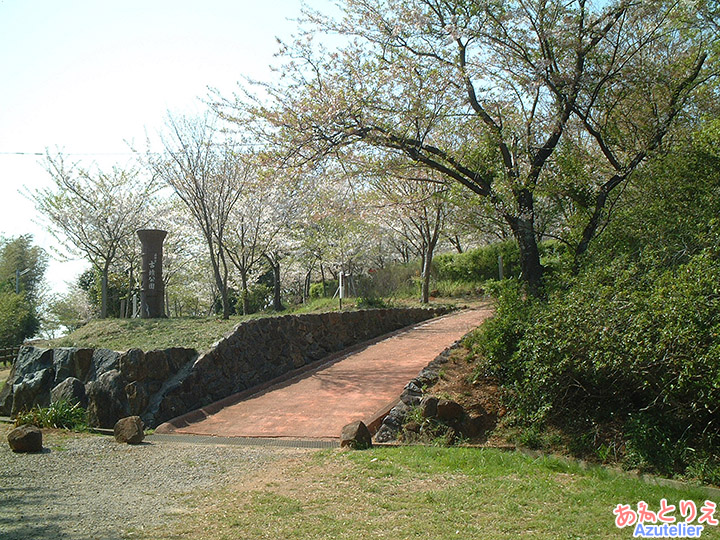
point(259, 298)
point(495, 343)
point(449, 289)
point(18, 319)
point(480, 264)
point(621, 347)
point(372, 302)
point(624, 357)
point(392, 281)
point(59, 415)
point(318, 291)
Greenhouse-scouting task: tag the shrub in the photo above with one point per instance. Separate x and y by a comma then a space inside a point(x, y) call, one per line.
point(60, 415)
point(317, 290)
point(621, 347)
point(478, 264)
point(498, 338)
point(448, 288)
point(18, 319)
point(369, 302)
point(259, 298)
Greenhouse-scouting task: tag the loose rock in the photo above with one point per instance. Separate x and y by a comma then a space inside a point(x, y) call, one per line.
point(356, 435)
point(25, 439)
point(428, 406)
point(129, 430)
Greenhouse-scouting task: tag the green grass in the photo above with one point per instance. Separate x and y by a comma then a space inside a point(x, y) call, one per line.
point(192, 332)
point(147, 334)
point(456, 289)
point(421, 492)
point(4, 373)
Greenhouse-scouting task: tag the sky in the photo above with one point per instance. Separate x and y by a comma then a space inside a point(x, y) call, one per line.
point(87, 77)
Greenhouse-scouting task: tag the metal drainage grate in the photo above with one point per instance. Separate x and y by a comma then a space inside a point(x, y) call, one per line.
point(243, 441)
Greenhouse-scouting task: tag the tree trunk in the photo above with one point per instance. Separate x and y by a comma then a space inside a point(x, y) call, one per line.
point(306, 289)
point(104, 292)
point(220, 283)
point(427, 264)
point(324, 284)
point(523, 228)
point(277, 296)
point(131, 287)
point(455, 241)
point(432, 239)
point(222, 289)
point(225, 301)
point(245, 293)
point(591, 227)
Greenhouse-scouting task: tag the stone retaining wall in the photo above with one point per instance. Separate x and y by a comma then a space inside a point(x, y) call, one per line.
point(163, 384)
point(111, 384)
point(261, 350)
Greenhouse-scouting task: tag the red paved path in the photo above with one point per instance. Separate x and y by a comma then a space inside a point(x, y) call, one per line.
point(358, 386)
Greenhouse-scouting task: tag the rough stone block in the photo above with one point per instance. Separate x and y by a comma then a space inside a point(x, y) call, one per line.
point(449, 410)
point(129, 430)
point(33, 389)
point(355, 435)
point(428, 406)
point(71, 390)
point(107, 401)
point(132, 364)
point(25, 439)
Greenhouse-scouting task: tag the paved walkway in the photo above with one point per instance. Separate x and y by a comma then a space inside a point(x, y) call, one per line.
point(358, 386)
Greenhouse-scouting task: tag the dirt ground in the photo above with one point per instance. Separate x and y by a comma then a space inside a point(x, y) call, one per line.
point(478, 397)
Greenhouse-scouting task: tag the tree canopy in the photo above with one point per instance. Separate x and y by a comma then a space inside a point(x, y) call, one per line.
point(22, 271)
point(95, 213)
point(485, 92)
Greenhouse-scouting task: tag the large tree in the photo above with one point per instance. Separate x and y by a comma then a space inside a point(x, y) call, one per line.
point(483, 93)
point(415, 207)
point(208, 172)
point(95, 213)
point(22, 266)
point(256, 223)
point(22, 270)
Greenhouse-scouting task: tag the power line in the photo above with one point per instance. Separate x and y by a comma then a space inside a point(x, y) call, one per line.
point(70, 153)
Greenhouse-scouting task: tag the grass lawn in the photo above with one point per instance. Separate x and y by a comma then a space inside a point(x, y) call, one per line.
point(195, 333)
point(421, 492)
point(147, 334)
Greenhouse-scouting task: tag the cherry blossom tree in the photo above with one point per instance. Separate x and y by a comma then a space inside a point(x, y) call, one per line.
point(207, 171)
point(95, 213)
point(484, 92)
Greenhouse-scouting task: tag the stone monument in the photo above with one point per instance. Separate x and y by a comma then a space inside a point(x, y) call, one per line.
point(152, 292)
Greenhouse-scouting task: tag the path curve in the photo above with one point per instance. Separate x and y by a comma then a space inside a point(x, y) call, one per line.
point(360, 385)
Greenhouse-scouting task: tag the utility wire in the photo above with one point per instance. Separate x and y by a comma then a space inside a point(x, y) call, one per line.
point(70, 153)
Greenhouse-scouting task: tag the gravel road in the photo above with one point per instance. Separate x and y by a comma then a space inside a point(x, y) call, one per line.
point(90, 487)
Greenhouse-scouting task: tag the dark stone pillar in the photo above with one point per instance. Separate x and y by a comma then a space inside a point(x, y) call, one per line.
point(152, 293)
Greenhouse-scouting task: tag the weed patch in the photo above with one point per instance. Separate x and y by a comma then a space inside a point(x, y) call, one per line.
point(59, 415)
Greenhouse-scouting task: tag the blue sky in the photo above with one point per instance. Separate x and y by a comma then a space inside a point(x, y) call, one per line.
point(87, 76)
